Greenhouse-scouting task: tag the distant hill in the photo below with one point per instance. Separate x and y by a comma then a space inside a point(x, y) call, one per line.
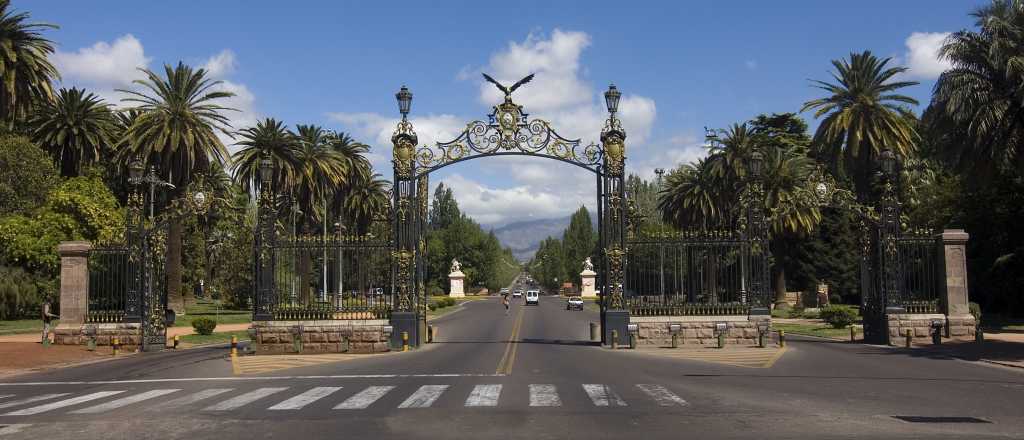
point(524, 237)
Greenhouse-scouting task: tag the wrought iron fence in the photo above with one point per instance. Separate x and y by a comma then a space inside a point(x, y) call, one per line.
point(109, 277)
point(921, 271)
point(690, 273)
point(345, 277)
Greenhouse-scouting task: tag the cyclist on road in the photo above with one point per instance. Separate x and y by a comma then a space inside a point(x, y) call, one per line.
point(504, 300)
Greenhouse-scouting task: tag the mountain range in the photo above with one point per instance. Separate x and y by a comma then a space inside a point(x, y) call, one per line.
point(524, 237)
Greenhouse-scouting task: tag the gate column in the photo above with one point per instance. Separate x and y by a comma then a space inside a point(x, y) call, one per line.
point(613, 137)
point(404, 318)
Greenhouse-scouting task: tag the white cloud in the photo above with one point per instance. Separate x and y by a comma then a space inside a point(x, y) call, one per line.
point(376, 130)
point(221, 64)
point(922, 56)
point(103, 66)
point(497, 206)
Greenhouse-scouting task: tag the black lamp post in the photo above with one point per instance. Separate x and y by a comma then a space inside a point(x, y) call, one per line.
point(611, 99)
point(404, 97)
point(756, 164)
point(888, 159)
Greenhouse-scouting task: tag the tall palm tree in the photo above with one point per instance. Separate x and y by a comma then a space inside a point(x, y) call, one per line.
point(978, 104)
point(176, 130)
point(75, 128)
point(269, 138)
point(26, 72)
point(863, 116)
point(693, 195)
point(366, 199)
point(358, 171)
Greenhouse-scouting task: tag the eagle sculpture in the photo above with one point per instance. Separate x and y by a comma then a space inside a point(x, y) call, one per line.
point(508, 90)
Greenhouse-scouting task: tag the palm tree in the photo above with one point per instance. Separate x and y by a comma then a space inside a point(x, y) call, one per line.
point(26, 72)
point(358, 171)
point(366, 199)
point(693, 195)
point(977, 105)
point(75, 128)
point(269, 138)
point(863, 116)
point(176, 130)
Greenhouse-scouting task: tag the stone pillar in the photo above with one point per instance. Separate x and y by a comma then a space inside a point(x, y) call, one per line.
point(959, 322)
point(587, 278)
point(74, 290)
point(457, 280)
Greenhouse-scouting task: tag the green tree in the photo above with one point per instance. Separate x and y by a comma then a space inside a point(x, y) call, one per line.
point(269, 138)
point(976, 105)
point(578, 243)
point(75, 128)
point(25, 70)
point(26, 175)
point(863, 115)
point(176, 130)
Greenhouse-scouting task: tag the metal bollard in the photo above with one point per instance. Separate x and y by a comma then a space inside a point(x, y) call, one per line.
point(910, 337)
point(721, 339)
point(853, 333)
point(761, 343)
point(593, 332)
point(115, 345)
point(979, 336)
point(782, 338)
point(405, 341)
point(430, 334)
point(615, 339)
point(234, 345)
point(675, 340)
point(176, 341)
point(91, 344)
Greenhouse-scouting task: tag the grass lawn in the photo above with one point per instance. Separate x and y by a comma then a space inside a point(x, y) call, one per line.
point(209, 309)
point(215, 338)
point(437, 313)
point(818, 329)
point(18, 326)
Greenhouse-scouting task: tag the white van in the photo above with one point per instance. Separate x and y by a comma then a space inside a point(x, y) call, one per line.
point(533, 297)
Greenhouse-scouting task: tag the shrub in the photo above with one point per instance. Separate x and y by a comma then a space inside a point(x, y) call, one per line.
point(975, 311)
point(204, 326)
point(810, 314)
point(838, 316)
point(795, 313)
point(448, 302)
point(432, 306)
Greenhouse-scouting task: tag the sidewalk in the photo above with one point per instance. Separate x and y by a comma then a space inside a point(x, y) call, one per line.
point(171, 332)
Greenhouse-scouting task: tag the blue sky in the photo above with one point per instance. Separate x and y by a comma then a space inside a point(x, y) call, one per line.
point(681, 66)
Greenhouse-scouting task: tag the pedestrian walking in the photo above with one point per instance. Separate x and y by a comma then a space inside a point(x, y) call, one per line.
point(504, 300)
point(47, 321)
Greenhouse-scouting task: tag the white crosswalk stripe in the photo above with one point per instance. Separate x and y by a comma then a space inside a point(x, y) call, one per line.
point(602, 395)
point(191, 398)
point(365, 398)
point(300, 401)
point(62, 403)
point(124, 401)
point(544, 395)
point(484, 395)
point(244, 399)
point(32, 399)
point(424, 396)
point(662, 395)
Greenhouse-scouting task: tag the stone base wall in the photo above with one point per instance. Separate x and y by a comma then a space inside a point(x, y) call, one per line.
point(127, 334)
point(696, 330)
point(920, 326)
point(332, 336)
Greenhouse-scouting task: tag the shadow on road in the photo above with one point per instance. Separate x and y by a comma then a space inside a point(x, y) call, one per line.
point(526, 341)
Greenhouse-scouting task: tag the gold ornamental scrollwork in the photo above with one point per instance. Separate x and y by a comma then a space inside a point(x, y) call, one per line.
point(403, 261)
point(616, 259)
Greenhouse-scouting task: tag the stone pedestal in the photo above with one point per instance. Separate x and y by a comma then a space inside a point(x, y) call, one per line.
point(458, 282)
point(74, 291)
point(960, 324)
point(320, 336)
point(587, 280)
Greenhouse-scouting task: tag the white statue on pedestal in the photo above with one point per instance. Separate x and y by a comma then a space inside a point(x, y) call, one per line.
point(457, 280)
point(587, 278)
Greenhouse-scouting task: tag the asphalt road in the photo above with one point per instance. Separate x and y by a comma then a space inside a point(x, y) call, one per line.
point(528, 374)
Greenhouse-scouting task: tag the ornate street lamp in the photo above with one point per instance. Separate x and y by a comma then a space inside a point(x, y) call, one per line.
point(404, 97)
point(611, 99)
point(888, 159)
point(756, 163)
point(135, 169)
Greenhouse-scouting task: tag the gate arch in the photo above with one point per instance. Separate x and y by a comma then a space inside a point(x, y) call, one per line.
point(508, 131)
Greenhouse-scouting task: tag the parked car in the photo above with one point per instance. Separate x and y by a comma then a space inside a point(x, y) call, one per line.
point(518, 293)
point(533, 297)
point(574, 303)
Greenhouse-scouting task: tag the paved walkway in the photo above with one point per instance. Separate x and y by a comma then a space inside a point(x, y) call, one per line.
point(171, 332)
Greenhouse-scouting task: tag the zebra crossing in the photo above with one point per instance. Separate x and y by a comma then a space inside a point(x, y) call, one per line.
point(283, 398)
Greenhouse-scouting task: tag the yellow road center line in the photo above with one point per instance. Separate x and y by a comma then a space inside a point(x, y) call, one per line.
point(505, 365)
